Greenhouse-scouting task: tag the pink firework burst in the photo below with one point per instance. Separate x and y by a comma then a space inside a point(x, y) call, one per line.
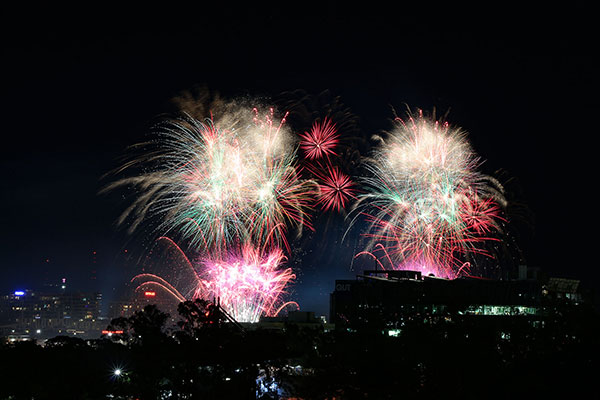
point(320, 141)
point(249, 285)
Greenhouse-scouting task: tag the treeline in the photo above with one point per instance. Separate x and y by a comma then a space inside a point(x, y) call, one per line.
point(206, 357)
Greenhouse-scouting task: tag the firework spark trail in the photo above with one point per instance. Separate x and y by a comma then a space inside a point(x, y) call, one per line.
point(155, 281)
point(281, 200)
point(425, 199)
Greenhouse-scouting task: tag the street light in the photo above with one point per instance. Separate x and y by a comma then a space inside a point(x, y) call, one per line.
point(118, 373)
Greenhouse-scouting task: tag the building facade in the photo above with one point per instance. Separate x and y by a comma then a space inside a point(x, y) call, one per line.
point(35, 312)
point(386, 300)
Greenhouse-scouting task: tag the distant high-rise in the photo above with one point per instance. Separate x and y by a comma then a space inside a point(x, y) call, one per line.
point(53, 310)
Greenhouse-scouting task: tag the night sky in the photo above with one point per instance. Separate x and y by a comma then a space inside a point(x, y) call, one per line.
point(79, 88)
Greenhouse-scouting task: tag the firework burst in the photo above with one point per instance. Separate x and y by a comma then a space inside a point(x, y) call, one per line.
point(231, 190)
point(249, 286)
point(336, 189)
point(426, 202)
point(320, 141)
point(221, 183)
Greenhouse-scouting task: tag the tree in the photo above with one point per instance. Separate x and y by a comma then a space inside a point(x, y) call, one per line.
point(147, 326)
point(195, 314)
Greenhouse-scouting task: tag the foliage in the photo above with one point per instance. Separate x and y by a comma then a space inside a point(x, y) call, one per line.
point(209, 358)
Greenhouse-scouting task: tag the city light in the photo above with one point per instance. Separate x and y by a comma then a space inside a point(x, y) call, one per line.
point(19, 293)
point(118, 372)
point(110, 333)
point(150, 294)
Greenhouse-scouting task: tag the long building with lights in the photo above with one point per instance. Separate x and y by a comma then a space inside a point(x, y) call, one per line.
point(386, 300)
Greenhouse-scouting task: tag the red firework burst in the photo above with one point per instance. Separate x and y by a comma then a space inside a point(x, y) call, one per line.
point(481, 215)
point(335, 189)
point(320, 141)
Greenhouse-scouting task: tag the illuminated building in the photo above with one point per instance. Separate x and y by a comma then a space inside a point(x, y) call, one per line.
point(386, 300)
point(31, 311)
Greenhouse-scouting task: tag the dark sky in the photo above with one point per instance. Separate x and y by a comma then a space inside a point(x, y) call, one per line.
point(81, 85)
